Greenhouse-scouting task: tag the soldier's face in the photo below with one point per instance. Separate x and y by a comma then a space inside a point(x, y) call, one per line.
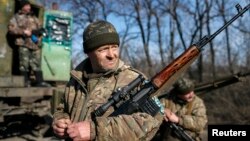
point(104, 58)
point(187, 97)
point(26, 9)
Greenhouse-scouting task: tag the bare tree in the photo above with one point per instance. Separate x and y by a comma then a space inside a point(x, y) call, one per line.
point(208, 24)
point(199, 20)
point(158, 14)
point(222, 10)
point(125, 12)
point(171, 40)
point(173, 13)
point(165, 10)
point(144, 31)
point(126, 37)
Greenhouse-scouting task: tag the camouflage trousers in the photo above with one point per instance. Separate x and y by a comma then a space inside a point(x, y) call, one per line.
point(29, 59)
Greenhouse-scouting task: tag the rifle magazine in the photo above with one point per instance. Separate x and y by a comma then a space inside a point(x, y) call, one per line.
point(150, 107)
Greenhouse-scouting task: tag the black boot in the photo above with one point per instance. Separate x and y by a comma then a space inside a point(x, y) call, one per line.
point(39, 79)
point(25, 74)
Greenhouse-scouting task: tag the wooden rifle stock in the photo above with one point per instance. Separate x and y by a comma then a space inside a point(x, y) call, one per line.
point(172, 72)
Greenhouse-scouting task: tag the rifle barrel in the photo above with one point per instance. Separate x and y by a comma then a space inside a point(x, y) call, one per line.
point(207, 39)
point(219, 83)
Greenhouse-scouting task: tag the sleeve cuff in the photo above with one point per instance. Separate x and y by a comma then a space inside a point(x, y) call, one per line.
point(180, 121)
point(57, 116)
point(92, 130)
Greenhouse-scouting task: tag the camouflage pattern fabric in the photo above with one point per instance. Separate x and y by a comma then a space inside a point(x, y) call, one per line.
point(85, 92)
point(98, 28)
point(192, 116)
point(18, 23)
point(29, 58)
point(99, 33)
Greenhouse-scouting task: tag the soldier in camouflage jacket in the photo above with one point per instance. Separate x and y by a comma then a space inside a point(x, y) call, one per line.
point(22, 27)
point(185, 109)
point(91, 85)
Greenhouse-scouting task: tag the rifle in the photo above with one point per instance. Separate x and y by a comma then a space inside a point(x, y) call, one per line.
point(207, 87)
point(179, 132)
point(219, 83)
point(37, 33)
point(145, 100)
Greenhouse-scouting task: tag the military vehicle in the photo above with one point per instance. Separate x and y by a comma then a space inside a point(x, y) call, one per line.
point(28, 110)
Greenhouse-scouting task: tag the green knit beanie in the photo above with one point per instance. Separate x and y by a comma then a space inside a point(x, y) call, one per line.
point(99, 33)
point(183, 86)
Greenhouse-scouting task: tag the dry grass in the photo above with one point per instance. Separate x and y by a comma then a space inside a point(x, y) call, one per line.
point(228, 105)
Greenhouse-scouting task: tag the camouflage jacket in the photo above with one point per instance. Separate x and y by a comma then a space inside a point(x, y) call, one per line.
point(20, 22)
point(85, 92)
point(192, 117)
